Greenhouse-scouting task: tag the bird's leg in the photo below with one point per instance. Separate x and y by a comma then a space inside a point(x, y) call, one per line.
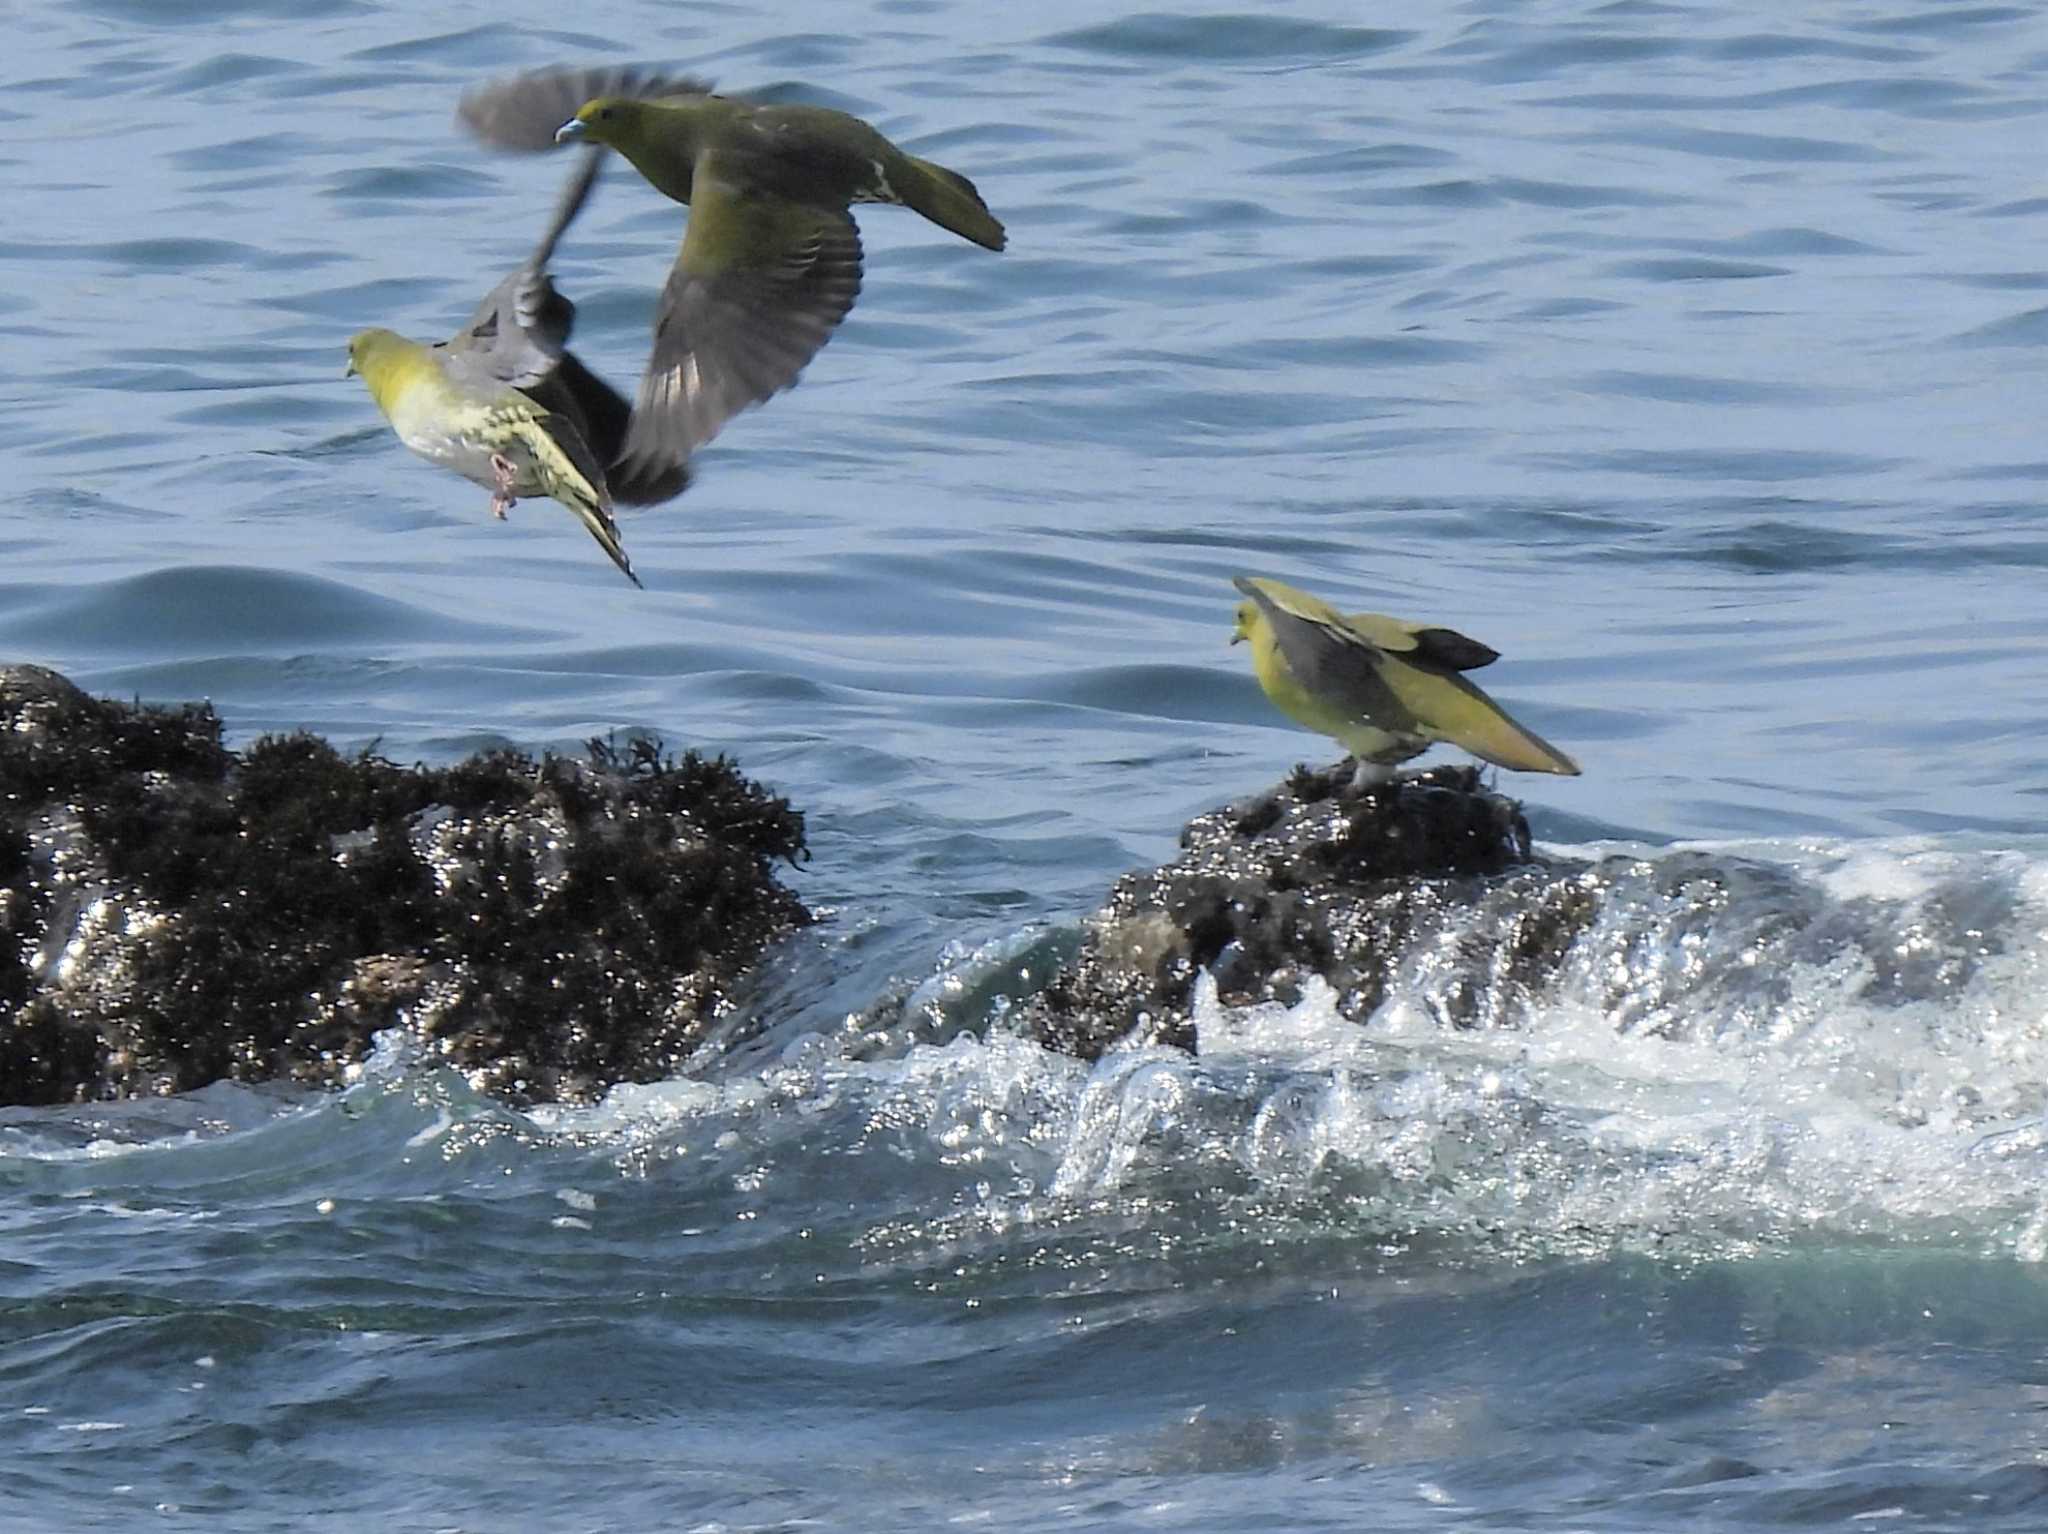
point(507, 476)
point(1369, 774)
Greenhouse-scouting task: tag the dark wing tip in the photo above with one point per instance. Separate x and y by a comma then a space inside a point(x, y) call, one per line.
point(1244, 583)
point(648, 481)
point(522, 112)
point(1448, 647)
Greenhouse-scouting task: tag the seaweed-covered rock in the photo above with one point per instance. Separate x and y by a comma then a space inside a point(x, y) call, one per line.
point(176, 912)
point(1319, 879)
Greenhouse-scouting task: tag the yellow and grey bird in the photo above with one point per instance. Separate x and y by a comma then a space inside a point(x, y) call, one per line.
point(505, 404)
point(1384, 689)
point(771, 261)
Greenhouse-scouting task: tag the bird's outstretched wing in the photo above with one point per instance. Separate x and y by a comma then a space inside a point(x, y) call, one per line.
point(518, 339)
point(521, 329)
point(759, 287)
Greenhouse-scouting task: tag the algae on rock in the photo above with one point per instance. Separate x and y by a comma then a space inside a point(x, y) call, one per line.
point(178, 913)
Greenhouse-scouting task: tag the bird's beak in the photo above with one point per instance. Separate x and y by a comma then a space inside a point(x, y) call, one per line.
point(571, 131)
point(1237, 639)
point(350, 370)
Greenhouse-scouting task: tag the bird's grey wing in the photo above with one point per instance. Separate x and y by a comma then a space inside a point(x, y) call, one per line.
point(517, 335)
point(1332, 662)
point(518, 338)
point(522, 112)
point(759, 287)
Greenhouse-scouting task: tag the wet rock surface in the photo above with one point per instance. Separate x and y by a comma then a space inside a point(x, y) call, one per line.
point(174, 912)
point(1317, 879)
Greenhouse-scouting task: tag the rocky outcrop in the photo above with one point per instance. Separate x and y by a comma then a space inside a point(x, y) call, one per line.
point(1315, 879)
point(174, 912)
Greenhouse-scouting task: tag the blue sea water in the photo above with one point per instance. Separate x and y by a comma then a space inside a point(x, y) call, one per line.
point(1695, 356)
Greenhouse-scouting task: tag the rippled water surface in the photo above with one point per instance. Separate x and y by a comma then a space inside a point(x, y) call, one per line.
point(1690, 355)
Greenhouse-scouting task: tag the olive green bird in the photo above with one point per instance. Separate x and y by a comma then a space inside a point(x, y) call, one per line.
point(503, 403)
point(771, 261)
point(1384, 689)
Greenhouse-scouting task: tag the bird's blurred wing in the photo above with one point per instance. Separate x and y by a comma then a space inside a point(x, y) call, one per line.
point(517, 335)
point(522, 112)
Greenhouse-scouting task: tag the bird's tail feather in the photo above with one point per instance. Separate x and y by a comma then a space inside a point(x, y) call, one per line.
point(571, 484)
point(1481, 726)
point(606, 532)
point(949, 200)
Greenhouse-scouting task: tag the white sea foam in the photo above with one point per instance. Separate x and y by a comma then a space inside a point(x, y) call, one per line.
point(1842, 1045)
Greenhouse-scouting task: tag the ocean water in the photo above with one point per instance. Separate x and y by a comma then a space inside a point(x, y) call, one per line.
point(1695, 356)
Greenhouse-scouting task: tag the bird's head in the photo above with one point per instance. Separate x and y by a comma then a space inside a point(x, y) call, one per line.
point(1248, 614)
point(597, 121)
point(369, 350)
point(1247, 618)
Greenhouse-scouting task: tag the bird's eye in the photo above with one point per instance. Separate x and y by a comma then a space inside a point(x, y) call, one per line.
point(604, 114)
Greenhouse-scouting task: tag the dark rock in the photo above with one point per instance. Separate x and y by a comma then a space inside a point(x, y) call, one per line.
point(176, 912)
point(1315, 879)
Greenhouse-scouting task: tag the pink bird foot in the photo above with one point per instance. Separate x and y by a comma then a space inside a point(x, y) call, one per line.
point(507, 476)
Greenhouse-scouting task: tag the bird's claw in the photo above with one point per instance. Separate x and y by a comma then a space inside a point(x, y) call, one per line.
point(503, 470)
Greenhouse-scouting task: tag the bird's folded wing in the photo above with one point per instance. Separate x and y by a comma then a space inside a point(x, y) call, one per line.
point(758, 289)
point(1337, 665)
point(597, 410)
point(577, 399)
point(523, 112)
point(519, 416)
